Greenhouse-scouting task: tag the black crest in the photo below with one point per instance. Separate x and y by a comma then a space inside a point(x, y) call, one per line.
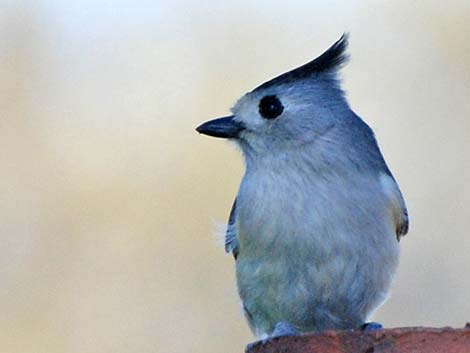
point(331, 60)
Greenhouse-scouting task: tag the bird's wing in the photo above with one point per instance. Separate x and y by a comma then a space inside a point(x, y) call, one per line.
point(231, 240)
point(396, 204)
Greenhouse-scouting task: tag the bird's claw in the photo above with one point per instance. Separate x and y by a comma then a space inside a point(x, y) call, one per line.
point(371, 326)
point(282, 329)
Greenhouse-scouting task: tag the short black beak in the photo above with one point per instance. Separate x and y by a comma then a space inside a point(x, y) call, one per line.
point(225, 127)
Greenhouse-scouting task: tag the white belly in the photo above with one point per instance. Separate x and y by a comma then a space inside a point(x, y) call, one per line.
point(321, 258)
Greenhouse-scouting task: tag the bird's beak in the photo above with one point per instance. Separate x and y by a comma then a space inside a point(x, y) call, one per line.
point(225, 127)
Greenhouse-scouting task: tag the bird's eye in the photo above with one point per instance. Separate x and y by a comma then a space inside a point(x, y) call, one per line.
point(270, 107)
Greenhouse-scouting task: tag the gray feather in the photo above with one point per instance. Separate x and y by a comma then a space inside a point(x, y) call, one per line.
point(231, 241)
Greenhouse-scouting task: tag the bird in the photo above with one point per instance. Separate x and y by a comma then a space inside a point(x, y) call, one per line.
point(315, 226)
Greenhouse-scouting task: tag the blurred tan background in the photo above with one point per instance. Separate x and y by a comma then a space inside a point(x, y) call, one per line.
point(109, 198)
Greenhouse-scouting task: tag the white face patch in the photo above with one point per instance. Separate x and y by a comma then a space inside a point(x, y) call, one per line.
point(246, 111)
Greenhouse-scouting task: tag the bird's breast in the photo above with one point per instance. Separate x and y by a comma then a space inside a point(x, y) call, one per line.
point(284, 212)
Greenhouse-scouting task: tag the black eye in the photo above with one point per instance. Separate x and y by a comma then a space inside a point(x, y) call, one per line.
point(270, 107)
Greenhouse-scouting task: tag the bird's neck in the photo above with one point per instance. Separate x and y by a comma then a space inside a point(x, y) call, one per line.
point(312, 160)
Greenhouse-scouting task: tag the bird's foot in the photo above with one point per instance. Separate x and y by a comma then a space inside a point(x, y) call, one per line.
point(371, 326)
point(281, 329)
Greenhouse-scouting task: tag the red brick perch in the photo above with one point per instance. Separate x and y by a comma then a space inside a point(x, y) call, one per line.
point(397, 340)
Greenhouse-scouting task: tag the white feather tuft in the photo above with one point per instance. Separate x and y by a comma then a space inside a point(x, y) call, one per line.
point(220, 230)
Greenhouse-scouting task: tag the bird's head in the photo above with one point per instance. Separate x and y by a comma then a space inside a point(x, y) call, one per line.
point(292, 110)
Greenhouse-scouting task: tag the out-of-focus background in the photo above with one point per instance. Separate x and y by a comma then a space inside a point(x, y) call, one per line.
point(109, 198)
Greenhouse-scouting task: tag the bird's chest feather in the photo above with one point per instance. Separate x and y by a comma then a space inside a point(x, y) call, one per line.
point(292, 223)
point(282, 212)
point(306, 240)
